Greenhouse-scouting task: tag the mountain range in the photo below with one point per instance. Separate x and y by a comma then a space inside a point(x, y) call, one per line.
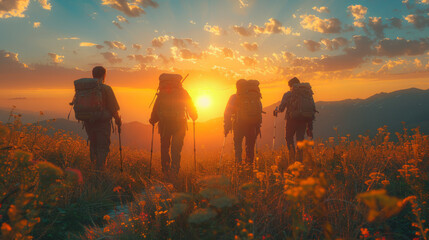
point(351, 116)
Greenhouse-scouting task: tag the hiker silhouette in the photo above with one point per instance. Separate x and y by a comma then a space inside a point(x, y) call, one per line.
point(300, 113)
point(243, 115)
point(95, 104)
point(173, 106)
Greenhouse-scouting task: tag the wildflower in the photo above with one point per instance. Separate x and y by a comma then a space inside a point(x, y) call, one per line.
point(106, 217)
point(305, 144)
point(364, 232)
point(331, 139)
point(380, 204)
point(260, 176)
point(5, 229)
point(201, 215)
point(117, 189)
point(223, 202)
point(274, 168)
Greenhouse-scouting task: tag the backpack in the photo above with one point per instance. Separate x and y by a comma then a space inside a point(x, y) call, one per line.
point(88, 99)
point(170, 103)
point(249, 106)
point(302, 105)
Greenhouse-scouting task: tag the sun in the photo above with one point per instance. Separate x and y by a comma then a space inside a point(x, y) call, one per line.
point(204, 101)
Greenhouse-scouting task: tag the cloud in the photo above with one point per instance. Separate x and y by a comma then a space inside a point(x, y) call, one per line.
point(219, 52)
point(350, 59)
point(418, 63)
point(16, 8)
point(137, 46)
point(314, 23)
point(131, 8)
point(273, 26)
point(143, 59)
point(400, 47)
point(359, 24)
point(159, 41)
point(311, 45)
point(390, 64)
point(184, 54)
point(89, 44)
point(121, 19)
point(335, 43)
point(248, 61)
point(192, 22)
point(183, 43)
point(111, 57)
point(250, 46)
point(69, 38)
point(423, 1)
point(243, 31)
point(243, 3)
point(216, 30)
point(418, 21)
point(376, 24)
point(115, 44)
point(377, 61)
point(45, 4)
point(36, 24)
point(9, 61)
point(358, 11)
point(321, 9)
point(228, 53)
point(55, 58)
point(117, 24)
point(395, 22)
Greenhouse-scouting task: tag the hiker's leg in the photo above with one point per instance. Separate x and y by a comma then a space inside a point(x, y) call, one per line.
point(103, 143)
point(250, 144)
point(238, 142)
point(165, 152)
point(290, 132)
point(176, 150)
point(300, 131)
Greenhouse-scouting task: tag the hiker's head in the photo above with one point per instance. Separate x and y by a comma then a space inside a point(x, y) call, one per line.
point(293, 81)
point(99, 72)
point(240, 84)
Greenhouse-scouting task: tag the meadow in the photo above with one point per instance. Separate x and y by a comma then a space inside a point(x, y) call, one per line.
point(363, 188)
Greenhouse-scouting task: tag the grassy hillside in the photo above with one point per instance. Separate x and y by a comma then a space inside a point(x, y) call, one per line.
point(369, 188)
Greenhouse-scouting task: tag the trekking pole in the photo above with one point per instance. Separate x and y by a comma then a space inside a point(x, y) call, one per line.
point(221, 154)
point(275, 129)
point(151, 150)
point(120, 146)
point(195, 150)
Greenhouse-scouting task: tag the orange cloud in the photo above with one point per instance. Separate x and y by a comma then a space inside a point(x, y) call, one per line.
point(248, 61)
point(111, 57)
point(216, 30)
point(159, 41)
point(115, 44)
point(250, 46)
point(36, 24)
point(335, 43)
point(132, 8)
point(357, 11)
point(16, 8)
point(56, 59)
point(321, 9)
point(314, 23)
point(137, 46)
point(418, 21)
point(311, 45)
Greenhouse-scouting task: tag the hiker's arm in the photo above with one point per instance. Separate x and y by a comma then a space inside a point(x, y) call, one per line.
point(154, 118)
point(284, 101)
point(190, 107)
point(227, 115)
point(112, 105)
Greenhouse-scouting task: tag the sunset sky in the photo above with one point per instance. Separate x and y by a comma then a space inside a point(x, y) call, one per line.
point(345, 49)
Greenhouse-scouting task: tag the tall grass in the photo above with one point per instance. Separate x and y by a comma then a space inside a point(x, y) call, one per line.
point(364, 188)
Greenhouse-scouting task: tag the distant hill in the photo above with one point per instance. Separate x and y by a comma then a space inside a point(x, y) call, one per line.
point(352, 116)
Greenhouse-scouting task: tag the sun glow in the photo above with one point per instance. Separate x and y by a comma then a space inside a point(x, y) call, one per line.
point(204, 101)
